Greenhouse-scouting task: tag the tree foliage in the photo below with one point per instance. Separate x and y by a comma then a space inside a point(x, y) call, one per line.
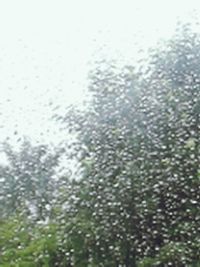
point(27, 179)
point(139, 147)
point(137, 200)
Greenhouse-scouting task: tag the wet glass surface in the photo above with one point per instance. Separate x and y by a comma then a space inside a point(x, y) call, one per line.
point(99, 133)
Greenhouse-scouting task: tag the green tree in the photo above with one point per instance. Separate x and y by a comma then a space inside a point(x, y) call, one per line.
point(27, 180)
point(138, 143)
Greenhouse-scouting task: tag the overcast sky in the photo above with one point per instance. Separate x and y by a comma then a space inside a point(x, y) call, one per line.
point(47, 48)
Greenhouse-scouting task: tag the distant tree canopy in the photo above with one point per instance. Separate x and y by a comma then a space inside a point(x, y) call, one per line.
point(27, 179)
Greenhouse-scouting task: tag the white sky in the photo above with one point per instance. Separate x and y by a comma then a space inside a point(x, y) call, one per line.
point(48, 46)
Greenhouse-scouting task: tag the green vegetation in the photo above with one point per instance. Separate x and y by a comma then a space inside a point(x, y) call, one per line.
point(136, 200)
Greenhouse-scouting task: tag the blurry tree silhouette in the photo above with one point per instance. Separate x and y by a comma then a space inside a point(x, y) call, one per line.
point(27, 180)
point(138, 142)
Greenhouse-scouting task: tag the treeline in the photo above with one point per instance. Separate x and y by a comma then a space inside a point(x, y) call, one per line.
point(136, 201)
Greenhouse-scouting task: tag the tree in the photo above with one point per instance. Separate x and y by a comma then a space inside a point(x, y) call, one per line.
point(138, 143)
point(27, 182)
